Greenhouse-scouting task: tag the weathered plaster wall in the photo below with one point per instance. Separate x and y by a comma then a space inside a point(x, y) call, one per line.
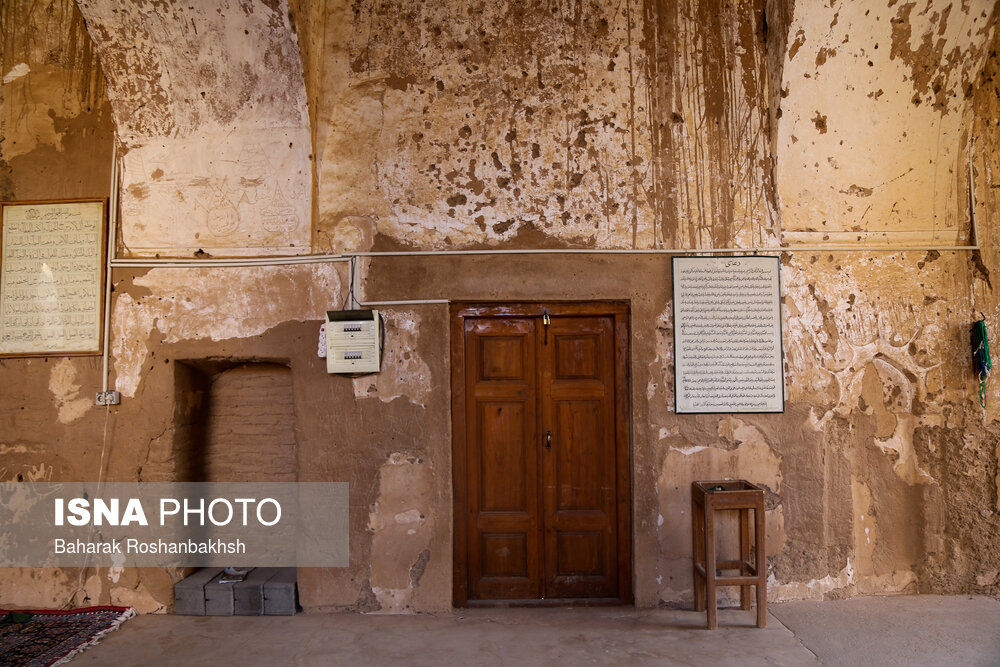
point(807, 122)
point(879, 106)
point(216, 304)
point(56, 120)
point(873, 136)
point(545, 124)
point(55, 142)
point(629, 125)
point(210, 109)
point(973, 520)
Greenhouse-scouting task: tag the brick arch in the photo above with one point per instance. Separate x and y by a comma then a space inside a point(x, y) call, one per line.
point(250, 425)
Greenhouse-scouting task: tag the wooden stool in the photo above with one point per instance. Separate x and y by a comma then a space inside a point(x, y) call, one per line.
point(706, 499)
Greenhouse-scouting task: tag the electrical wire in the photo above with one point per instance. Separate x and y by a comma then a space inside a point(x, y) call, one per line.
point(100, 489)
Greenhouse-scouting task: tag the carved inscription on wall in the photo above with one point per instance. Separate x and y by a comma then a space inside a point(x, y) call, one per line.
point(50, 278)
point(727, 335)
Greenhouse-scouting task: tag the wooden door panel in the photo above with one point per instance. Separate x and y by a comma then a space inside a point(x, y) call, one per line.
point(576, 357)
point(502, 358)
point(503, 538)
point(503, 433)
point(505, 556)
point(577, 449)
point(579, 553)
point(540, 517)
point(578, 502)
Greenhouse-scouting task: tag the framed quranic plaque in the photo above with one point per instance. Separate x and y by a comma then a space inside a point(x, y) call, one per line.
point(727, 335)
point(52, 277)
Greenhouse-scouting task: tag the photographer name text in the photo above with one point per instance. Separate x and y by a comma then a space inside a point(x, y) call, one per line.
point(134, 546)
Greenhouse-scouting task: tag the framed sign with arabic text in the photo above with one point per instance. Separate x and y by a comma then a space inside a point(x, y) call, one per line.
point(727, 335)
point(52, 263)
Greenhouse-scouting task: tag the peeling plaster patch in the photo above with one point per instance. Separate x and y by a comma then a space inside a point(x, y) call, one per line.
point(667, 432)
point(409, 516)
point(996, 489)
point(116, 570)
point(141, 599)
point(814, 422)
point(356, 232)
point(393, 600)
point(907, 466)
point(403, 374)
point(420, 566)
point(401, 531)
point(16, 72)
point(216, 304)
point(819, 120)
point(227, 303)
point(738, 431)
point(661, 369)
point(987, 578)
point(867, 355)
point(796, 45)
point(861, 574)
point(131, 324)
point(812, 590)
point(63, 385)
point(833, 336)
point(688, 451)
point(898, 581)
point(864, 528)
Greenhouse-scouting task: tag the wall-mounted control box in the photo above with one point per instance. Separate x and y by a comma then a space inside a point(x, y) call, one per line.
point(353, 341)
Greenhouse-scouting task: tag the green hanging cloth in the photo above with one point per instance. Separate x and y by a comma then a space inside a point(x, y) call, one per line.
point(981, 357)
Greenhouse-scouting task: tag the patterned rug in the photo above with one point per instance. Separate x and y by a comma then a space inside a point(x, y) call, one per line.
point(35, 638)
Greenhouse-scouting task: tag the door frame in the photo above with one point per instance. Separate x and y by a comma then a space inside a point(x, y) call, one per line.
point(619, 312)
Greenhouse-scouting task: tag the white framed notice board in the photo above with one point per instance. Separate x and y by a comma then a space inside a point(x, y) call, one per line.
point(727, 335)
point(52, 277)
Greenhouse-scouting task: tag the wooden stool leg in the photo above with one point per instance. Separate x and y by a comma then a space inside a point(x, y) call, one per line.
point(697, 551)
point(710, 565)
point(761, 562)
point(744, 556)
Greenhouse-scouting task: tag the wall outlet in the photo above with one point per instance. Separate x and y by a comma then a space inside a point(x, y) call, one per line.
point(109, 397)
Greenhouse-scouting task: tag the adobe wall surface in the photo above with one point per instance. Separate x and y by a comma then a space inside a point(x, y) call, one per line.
point(273, 128)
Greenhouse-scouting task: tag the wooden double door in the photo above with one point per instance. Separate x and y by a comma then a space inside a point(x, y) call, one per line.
point(542, 491)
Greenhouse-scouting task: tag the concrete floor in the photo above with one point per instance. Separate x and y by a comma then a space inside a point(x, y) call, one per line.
point(902, 630)
point(918, 630)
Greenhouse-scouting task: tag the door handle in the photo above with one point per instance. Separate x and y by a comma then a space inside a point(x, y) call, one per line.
point(548, 441)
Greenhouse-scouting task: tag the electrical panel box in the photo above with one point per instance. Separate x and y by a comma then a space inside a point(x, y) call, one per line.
point(353, 341)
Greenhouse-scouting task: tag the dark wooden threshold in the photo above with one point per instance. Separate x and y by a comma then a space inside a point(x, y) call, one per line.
point(549, 602)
